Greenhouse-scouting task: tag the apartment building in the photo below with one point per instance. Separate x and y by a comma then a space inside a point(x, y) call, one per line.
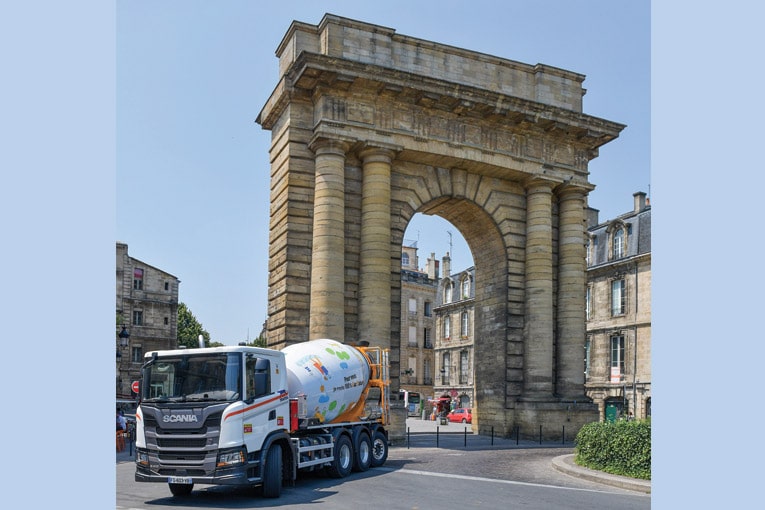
point(617, 357)
point(418, 294)
point(455, 341)
point(147, 316)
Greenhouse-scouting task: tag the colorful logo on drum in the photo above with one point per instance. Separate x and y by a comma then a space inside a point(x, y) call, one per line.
point(320, 367)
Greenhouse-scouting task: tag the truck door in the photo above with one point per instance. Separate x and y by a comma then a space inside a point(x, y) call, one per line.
point(266, 409)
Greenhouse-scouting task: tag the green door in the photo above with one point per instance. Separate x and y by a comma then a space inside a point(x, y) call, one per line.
point(611, 412)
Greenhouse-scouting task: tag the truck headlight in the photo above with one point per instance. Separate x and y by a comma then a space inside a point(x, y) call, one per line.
point(230, 458)
point(142, 458)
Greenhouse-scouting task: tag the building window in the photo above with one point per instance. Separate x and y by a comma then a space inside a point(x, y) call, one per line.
point(138, 279)
point(587, 259)
point(137, 318)
point(466, 288)
point(617, 297)
point(464, 324)
point(136, 354)
point(428, 310)
point(445, 368)
point(586, 358)
point(427, 377)
point(405, 259)
point(412, 306)
point(447, 327)
point(428, 340)
point(588, 303)
point(463, 367)
point(167, 286)
point(413, 336)
point(167, 321)
point(618, 243)
point(617, 357)
point(448, 292)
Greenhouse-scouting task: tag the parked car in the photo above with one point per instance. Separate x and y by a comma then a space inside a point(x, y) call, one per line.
point(460, 414)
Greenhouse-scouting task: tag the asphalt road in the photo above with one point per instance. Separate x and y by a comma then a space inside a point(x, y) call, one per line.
point(422, 477)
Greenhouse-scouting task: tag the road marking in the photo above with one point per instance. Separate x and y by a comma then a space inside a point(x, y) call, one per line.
point(480, 479)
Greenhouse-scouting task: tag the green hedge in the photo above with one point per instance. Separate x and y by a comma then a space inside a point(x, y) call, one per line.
point(620, 448)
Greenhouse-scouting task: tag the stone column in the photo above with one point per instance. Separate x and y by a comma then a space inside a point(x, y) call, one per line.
point(327, 312)
point(375, 259)
point(572, 281)
point(538, 341)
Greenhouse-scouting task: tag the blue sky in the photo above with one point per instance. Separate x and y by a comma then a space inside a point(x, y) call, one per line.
point(192, 181)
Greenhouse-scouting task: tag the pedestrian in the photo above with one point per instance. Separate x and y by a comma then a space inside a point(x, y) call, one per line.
point(121, 421)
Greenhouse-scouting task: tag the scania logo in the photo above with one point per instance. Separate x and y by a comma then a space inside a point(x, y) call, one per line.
point(176, 418)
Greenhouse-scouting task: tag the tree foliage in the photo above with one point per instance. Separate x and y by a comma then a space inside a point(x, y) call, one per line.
point(189, 329)
point(260, 341)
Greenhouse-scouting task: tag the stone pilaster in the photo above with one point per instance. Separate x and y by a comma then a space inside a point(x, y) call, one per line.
point(571, 294)
point(538, 342)
point(327, 315)
point(375, 257)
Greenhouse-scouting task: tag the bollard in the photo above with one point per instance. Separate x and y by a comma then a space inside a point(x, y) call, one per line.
point(492, 435)
point(564, 435)
point(408, 430)
point(465, 437)
point(517, 434)
point(437, 432)
point(540, 434)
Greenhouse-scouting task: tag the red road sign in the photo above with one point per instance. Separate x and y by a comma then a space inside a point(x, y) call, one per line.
point(134, 387)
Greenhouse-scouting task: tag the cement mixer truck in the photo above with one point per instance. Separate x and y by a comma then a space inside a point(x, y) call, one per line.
point(253, 416)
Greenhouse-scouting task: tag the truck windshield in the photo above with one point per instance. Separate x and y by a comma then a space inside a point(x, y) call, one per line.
point(189, 378)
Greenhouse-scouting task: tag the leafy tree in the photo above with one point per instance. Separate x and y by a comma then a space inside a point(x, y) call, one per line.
point(260, 341)
point(189, 329)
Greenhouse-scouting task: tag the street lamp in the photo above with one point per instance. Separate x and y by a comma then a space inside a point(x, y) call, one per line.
point(124, 336)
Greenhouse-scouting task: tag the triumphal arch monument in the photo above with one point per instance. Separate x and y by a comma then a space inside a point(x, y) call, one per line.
point(369, 127)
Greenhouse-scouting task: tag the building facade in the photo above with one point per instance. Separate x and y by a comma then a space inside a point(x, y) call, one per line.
point(147, 316)
point(617, 354)
point(455, 337)
point(418, 295)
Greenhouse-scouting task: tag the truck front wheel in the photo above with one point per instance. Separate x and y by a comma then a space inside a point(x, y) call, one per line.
point(272, 472)
point(343, 463)
point(379, 449)
point(180, 489)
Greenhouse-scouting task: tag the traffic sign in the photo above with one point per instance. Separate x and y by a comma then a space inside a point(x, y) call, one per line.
point(135, 386)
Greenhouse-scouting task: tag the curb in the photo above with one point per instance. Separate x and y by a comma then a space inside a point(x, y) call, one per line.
point(565, 464)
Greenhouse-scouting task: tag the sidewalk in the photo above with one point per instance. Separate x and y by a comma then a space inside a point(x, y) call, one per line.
point(421, 433)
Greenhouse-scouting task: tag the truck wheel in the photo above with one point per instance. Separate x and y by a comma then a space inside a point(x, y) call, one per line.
point(181, 489)
point(379, 449)
point(272, 472)
point(343, 463)
point(362, 458)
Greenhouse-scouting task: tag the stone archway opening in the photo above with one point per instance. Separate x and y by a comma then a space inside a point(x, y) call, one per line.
point(491, 331)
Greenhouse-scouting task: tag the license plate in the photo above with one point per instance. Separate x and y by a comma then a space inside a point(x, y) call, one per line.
point(180, 479)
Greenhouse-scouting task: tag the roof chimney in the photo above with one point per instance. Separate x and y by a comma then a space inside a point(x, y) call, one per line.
point(431, 267)
point(639, 201)
point(447, 263)
point(592, 217)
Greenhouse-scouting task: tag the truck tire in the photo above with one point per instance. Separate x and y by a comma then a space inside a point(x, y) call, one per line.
point(362, 456)
point(379, 449)
point(343, 463)
point(180, 489)
point(272, 472)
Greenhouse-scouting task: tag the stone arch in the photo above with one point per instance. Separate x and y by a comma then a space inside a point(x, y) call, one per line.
point(369, 128)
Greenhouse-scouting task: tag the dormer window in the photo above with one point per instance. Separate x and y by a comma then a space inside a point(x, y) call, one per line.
point(466, 288)
point(619, 244)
